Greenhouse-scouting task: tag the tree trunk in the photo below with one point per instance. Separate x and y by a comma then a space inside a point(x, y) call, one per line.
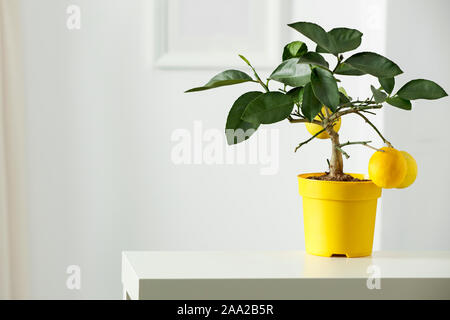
point(336, 162)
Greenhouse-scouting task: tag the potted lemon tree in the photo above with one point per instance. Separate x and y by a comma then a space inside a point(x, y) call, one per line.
point(339, 208)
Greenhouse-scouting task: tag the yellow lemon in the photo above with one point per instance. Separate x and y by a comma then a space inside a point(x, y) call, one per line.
point(411, 170)
point(314, 128)
point(387, 169)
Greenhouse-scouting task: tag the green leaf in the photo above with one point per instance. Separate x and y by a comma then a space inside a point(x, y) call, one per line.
point(316, 33)
point(296, 94)
point(311, 106)
point(374, 64)
point(345, 39)
point(294, 49)
point(291, 73)
point(343, 98)
point(387, 84)
point(421, 89)
point(245, 59)
point(313, 58)
point(225, 78)
point(342, 90)
point(319, 49)
point(325, 87)
point(399, 102)
point(378, 95)
point(268, 108)
point(234, 121)
point(335, 41)
point(347, 70)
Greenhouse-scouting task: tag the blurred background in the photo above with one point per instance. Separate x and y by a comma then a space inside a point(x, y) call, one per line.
point(87, 117)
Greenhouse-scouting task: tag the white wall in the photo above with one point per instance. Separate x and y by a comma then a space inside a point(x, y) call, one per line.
point(418, 218)
point(100, 117)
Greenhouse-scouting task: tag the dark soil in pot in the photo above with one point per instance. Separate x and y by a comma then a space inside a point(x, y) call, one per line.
point(342, 177)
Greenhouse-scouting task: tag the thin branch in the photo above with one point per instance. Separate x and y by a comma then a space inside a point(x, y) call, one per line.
point(375, 128)
point(364, 143)
point(258, 79)
point(360, 103)
point(370, 112)
point(291, 120)
point(339, 114)
point(306, 141)
point(353, 142)
point(339, 60)
point(343, 152)
point(330, 120)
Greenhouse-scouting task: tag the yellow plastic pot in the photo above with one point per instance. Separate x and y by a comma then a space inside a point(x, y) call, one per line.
point(339, 217)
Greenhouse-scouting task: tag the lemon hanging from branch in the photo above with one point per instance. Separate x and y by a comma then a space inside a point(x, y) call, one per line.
point(315, 128)
point(387, 168)
point(411, 170)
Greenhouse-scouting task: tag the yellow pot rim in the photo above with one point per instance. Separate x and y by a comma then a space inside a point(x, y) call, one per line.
point(338, 190)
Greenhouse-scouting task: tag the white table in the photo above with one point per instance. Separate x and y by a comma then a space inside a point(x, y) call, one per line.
point(284, 275)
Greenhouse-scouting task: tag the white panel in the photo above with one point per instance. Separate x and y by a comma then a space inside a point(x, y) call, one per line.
point(187, 37)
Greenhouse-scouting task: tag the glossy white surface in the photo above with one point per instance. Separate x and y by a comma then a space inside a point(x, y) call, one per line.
point(258, 275)
point(284, 265)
